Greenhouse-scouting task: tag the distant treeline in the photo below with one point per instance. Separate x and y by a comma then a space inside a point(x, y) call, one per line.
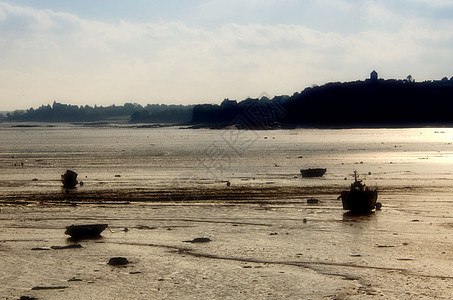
point(369, 103)
point(155, 113)
point(374, 103)
point(134, 113)
point(58, 112)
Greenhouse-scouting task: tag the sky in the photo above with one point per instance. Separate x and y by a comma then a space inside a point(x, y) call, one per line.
point(101, 52)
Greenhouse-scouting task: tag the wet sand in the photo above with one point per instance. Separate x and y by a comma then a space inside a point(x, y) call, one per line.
point(259, 249)
point(169, 186)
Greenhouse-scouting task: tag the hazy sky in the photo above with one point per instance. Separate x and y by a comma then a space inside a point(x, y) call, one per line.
point(202, 51)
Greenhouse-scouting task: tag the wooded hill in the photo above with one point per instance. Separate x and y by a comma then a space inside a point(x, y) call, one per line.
point(369, 103)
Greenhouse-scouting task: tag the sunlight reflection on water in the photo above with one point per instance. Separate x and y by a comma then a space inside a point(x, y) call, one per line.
point(164, 157)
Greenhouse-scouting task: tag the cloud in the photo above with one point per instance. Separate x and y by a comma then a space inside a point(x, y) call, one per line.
point(47, 55)
point(436, 3)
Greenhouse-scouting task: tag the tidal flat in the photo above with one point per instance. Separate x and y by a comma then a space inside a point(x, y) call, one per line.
point(160, 188)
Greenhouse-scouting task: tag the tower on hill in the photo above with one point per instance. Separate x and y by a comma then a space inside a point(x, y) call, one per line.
point(374, 76)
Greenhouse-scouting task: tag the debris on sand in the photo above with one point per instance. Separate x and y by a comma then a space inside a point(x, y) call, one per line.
point(69, 179)
point(312, 201)
point(199, 240)
point(76, 246)
point(315, 172)
point(40, 249)
point(143, 227)
point(37, 288)
point(118, 261)
point(74, 279)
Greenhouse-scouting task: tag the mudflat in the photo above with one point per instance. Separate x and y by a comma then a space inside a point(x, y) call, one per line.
point(198, 216)
point(253, 250)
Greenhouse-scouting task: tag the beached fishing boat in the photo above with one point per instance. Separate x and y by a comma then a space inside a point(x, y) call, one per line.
point(85, 231)
point(69, 179)
point(315, 172)
point(359, 198)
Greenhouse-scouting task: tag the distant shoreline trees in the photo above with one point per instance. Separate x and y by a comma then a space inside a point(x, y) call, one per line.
point(58, 112)
point(379, 102)
point(369, 103)
point(134, 113)
point(161, 113)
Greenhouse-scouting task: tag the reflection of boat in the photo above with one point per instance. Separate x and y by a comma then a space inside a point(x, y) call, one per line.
point(315, 172)
point(359, 197)
point(85, 231)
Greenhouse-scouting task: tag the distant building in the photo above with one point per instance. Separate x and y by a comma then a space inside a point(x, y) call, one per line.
point(373, 76)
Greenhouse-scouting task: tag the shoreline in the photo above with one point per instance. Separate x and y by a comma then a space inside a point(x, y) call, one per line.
point(225, 126)
point(245, 194)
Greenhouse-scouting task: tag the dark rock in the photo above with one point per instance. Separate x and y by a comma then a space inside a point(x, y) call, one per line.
point(312, 201)
point(199, 240)
point(143, 227)
point(76, 246)
point(118, 261)
point(37, 288)
point(74, 279)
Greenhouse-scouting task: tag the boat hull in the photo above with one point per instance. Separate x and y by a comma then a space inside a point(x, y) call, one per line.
point(69, 179)
point(360, 201)
point(317, 172)
point(85, 231)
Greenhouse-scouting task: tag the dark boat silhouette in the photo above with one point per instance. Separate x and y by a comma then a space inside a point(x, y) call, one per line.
point(359, 198)
point(85, 231)
point(69, 179)
point(315, 172)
